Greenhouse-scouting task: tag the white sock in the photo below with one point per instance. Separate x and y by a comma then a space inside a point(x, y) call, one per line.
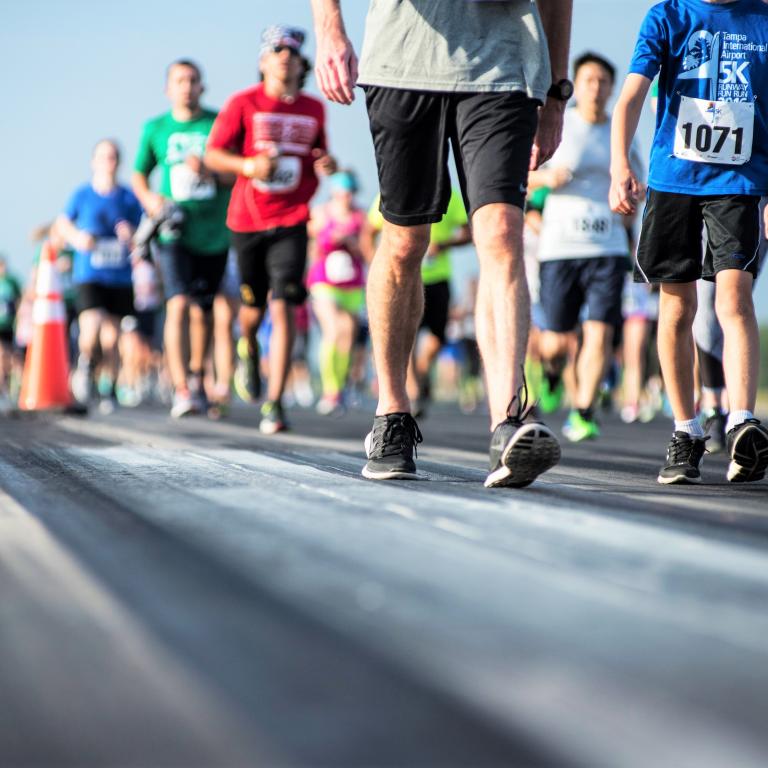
point(737, 417)
point(691, 427)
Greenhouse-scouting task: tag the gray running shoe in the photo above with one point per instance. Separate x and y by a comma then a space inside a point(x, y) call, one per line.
point(272, 418)
point(390, 448)
point(748, 449)
point(183, 404)
point(520, 450)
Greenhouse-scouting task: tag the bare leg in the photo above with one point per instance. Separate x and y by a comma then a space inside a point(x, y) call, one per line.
point(280, 347)
point(224, 309)
point(395, 306)
point(199, 337)
point(174, 336)
point(503, 305)
point(635, 335)
point(741, 351)
point(592, 361)
point(677, 308)
point(108, 336)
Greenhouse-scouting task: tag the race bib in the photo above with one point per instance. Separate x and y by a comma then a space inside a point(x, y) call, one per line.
point(187, 185)
point(714, 131)
point(590, 222)
point(286, 177)
point(109, 253)
point(339, 267)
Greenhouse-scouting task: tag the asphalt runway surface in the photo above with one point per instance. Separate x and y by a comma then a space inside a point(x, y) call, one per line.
point(195, 594)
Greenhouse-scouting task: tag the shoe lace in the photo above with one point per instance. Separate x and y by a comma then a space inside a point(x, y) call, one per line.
point(523, 409)
point(400, 430)
point(686, 449)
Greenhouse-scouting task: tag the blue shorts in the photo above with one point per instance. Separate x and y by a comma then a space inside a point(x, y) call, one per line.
point(568, 285)
point(190, 273)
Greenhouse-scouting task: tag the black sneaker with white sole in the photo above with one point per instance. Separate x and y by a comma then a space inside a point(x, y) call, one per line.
point(748, 448)
point(390, 447)
point(684, 455)
point(520, 451)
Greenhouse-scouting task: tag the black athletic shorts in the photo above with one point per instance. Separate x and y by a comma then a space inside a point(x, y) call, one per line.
point(115, 300)
point(186, 272)
point(491, 135)
point(670, 249)
point(437, 300)
point(567, 285)
point(275, 260)
point(6, 336)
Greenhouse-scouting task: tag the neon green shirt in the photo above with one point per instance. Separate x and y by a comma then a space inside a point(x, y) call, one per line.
point(435, 269)
point(165, 143)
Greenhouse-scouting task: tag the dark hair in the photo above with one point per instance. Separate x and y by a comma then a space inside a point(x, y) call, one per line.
point(184, 63)
point(590, 57)
point(112, 143)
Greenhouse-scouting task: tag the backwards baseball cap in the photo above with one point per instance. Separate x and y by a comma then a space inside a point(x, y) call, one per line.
point(272, 37)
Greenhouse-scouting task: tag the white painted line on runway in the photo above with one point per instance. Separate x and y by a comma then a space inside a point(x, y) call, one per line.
point(452, 526)
point(398, 509)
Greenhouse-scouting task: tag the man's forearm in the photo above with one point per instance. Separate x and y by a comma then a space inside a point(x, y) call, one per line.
point(222, 161)
point(626, 116)
point(140, 186)
point(328, 18)
point(556, 20)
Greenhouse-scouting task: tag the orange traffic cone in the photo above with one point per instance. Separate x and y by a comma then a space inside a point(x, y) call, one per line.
point(45, 383)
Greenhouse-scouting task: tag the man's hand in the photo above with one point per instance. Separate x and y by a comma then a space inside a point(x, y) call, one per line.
point(324, 164)
point(153, 203)
point(83, 241)
point(548, 134)
point(336, 66)
point(626, 191)
point(260, 167)
point(124, 231)
point(196, 164)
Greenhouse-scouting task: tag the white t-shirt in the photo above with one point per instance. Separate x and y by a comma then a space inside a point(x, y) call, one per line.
point(578, 222)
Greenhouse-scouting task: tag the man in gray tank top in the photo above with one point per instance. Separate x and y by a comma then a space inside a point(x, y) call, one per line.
point(488, 78)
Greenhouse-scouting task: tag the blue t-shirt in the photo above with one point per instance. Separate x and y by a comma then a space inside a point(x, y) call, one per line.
point(109, 263)
point(711, 53)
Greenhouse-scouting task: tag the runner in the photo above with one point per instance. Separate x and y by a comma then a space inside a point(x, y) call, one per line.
point(273, 137)
point(192, 258)
point(709, 165)
point(336, 282)
point(584, 247)
point(451, 231)
point(10, 296)
point(477, 73)
point(98, 222)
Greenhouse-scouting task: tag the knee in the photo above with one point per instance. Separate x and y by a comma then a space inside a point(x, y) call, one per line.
point(175, 308)
point(678, 310)
point(405, 246)
point(733, 304)
point(498, 233)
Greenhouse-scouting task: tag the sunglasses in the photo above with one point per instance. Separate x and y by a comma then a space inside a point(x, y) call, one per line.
point(281, 48)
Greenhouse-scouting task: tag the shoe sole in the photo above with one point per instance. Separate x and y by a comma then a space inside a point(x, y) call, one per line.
point(272, 429)
point(678, 480)
point(749, 459)
point(182, 412)
point(394, 474)
point(531, 451)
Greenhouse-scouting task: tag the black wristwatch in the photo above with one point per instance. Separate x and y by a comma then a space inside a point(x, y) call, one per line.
point(562, 90)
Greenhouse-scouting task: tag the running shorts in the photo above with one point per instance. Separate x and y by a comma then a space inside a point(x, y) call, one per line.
point(491, 135)
point(670, 249)
point(568, 285)
point(437, 301)
point(190, 273)
point(272, 260)
point(350, 300)
point(115, 300)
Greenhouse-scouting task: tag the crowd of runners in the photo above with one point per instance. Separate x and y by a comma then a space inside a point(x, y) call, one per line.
point(212, 272)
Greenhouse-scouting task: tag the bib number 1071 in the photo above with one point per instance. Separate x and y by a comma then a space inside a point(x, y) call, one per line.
point(711, 138)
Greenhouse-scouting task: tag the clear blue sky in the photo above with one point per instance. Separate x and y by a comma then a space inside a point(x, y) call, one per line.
point(78, 71)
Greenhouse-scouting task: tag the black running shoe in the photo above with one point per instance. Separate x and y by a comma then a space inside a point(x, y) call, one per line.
point(520, 451)
point(684, 455)
point(748, 449)
point(390, 447)
point(714, 426)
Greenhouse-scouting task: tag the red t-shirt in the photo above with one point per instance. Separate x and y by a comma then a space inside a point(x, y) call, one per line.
point(252, 123)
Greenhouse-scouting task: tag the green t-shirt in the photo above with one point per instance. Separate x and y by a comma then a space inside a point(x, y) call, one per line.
point(435, 269)
point(10, 293)
point(165, 143)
